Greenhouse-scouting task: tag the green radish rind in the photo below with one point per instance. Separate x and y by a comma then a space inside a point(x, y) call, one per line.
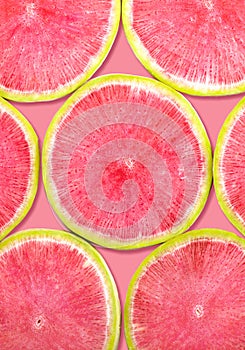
point(163, 90)
point(84, 247)
point(144, 57)
point(168, 247)
point(77, 82)
point(217, 175)
point(32, 140)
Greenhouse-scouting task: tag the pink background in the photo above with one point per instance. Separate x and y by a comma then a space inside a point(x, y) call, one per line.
point(212, 111)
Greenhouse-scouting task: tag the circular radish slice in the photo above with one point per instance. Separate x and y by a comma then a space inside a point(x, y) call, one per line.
point(229, 170)
point(49, 48)
point(189, 294)
point(195, 46)
point(19, 167)
point(56, 292)
point(126, 162)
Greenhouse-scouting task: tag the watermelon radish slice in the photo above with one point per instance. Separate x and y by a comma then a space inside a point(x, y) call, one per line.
point(56, 292)
point(195, 46)
point(126, 162)
point(49, 48)
point(189, 294)
point(229, 171)
point(19, 167)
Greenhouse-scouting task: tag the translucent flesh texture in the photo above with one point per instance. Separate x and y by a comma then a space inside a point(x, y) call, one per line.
point(189, 295)
point(55, 293)
point(128, 160)
point(49, 47)
point(196, 46)
point(229, 168)
point(18, 167)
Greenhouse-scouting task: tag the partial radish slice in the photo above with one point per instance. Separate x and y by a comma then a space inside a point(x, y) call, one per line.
point(229, 169)
point(126, 162)
point(56, 292)
point(189, 294)
point(50, 47)
point(19, 166)
point(195, 46)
